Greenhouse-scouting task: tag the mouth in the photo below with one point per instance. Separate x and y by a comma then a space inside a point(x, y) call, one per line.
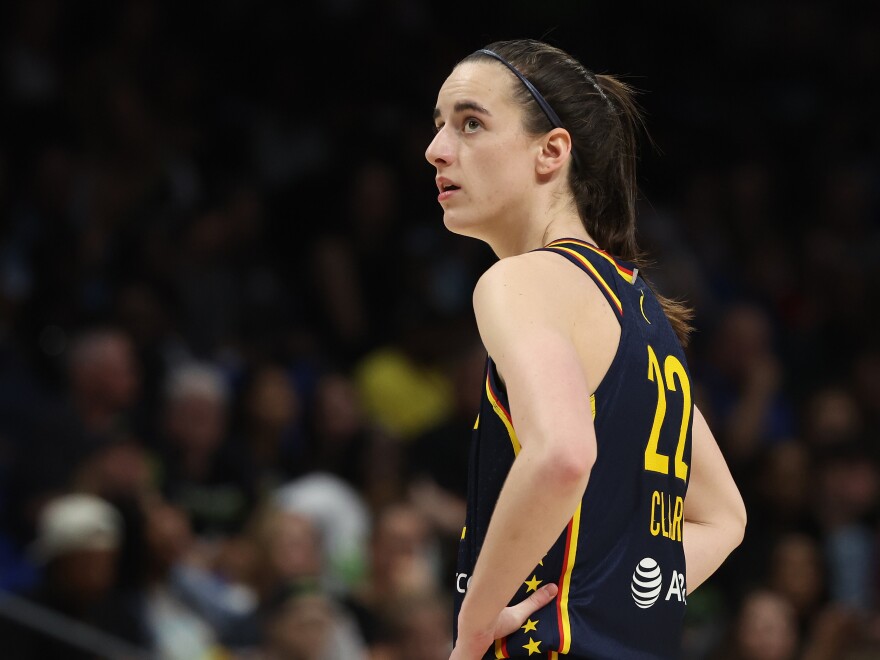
point(446, 193)
point(447, 189)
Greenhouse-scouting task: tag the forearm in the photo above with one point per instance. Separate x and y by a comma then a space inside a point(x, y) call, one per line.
point(706, 547)
point(535, 505)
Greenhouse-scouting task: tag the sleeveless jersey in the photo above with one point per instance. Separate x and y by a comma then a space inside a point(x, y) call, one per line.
point(619, 564)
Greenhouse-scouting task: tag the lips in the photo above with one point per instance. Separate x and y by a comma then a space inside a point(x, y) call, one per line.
point(447, 188)
point(445, 185)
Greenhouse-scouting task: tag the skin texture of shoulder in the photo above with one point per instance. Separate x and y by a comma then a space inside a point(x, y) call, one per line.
point(523, 302)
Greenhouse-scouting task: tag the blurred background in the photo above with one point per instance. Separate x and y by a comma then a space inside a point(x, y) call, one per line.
point(238, 363)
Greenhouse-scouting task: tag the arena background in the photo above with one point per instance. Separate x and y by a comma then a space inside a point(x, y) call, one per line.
point(228, 307)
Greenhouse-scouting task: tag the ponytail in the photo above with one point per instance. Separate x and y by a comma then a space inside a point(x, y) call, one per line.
point(613, 224)
point(600, 113)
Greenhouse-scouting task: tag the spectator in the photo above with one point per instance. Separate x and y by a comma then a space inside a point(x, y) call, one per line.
point(96, 411)
point(202, 474)
point(766, 629)
point(340, 515)
point(285, 552)
point(271, 427)
point(344, 443)
point(745, 392)
point(402, 568)
point(308, 626)
point(77, 547)
point(797, 574)
point(104, 379)
point(176, 630)
point(420, 629)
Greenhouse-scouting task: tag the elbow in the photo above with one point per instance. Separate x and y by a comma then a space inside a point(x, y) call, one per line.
point(568, 467)
point(733, 524)
point(740, 519)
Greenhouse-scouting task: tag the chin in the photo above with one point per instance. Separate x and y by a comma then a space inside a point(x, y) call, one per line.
point(460, 224)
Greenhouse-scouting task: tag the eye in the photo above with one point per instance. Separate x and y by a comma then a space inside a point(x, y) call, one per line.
point(437, 127)
point(471, 125)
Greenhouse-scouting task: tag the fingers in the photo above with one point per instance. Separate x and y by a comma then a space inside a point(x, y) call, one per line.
point(536, 601)
point(513, 617)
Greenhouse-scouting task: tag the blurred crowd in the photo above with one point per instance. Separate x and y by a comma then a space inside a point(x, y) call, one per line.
point(238, 364)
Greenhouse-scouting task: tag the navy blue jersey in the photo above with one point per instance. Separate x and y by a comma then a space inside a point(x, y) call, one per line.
point(619, 564)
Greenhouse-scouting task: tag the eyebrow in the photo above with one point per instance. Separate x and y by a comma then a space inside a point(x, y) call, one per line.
point(462, 106)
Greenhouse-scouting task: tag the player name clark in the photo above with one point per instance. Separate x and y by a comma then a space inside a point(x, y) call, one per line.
point(667, 515)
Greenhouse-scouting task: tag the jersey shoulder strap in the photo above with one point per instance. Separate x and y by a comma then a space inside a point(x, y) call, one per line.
point(607, 272)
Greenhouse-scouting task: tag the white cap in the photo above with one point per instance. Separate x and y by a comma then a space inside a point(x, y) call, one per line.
point(76, 522)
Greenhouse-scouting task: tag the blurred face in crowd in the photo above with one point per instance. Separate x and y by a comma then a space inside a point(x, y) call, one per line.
point(120, 470)
point(399, 550)
point(796, 572)
point(302, 629)
point(197, 423)
point(294, 547)
point(766, 629)
point(104, 370)
point(850, 487)
point(84, 576)
point(423, 631)
point(482, 150)
point(832, 416)
point(786, 480)
point(168, 534)
point(272, 400)
point(337, 408)
point(743, 341)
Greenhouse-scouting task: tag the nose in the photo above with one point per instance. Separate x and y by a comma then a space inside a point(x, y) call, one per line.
point(439, 152)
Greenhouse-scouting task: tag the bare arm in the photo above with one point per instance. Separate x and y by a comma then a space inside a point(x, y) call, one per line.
point(714, 513)
point(524, 328)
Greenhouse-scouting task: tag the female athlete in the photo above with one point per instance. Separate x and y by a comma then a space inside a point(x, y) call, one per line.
point(598, 498)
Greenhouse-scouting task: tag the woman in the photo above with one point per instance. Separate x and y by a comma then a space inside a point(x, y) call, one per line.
point(617, 478)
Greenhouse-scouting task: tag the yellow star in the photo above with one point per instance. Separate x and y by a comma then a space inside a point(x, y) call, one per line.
point(533, 583)
point(532, 646)
point(530, 625)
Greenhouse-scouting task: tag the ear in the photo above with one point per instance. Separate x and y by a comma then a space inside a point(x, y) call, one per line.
point(555, 151)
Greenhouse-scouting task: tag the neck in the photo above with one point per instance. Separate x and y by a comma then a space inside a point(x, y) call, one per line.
point(535, 231)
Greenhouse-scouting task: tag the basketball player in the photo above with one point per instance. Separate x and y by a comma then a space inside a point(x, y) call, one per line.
point(598, 498)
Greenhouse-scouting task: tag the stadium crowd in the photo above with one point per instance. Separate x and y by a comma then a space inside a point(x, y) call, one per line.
point(238, 363)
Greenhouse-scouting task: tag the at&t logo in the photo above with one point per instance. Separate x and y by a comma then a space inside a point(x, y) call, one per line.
point(647, 584)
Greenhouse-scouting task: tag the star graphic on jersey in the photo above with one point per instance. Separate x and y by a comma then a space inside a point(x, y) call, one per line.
point(532, 647)
point(530, 625)
point(533, 583)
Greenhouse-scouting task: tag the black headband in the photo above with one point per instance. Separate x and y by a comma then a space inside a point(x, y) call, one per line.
point(539, 98)
point(550, 112)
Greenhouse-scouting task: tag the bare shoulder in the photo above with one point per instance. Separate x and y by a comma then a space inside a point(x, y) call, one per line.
point(529, 277)
point(530, 299)
point(534, 283)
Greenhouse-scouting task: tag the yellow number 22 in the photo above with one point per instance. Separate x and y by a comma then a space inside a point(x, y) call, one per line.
point(654, 460)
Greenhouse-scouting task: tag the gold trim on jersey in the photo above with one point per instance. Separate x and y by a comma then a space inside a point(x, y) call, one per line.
point(628, 275)
point(592, 270)
point(503, 415)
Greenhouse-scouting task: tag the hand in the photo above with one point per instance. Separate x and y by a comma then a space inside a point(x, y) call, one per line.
point(472, 644)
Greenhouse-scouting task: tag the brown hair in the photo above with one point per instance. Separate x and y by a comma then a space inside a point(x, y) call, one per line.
point(604, 120)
